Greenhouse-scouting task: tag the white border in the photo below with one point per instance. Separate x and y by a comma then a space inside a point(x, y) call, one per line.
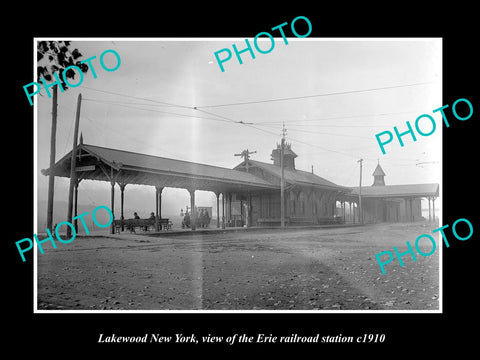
point(133, 39)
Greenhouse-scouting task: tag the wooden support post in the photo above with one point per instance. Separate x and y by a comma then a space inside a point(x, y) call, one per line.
point(122, 190)
point(248, 215)
point(73, 162)
point(223, 210)
point(282, 181)
point(350, 213)
point(112, 200)
point(51, 175)
point(228, 211)
point(112, 204)
point(429, 210)
point(75, 209)
point(218, 209)
point(411, 210)
point(158, 202)
point(112, 191)
point(433, 208)
point(157, 220)
point(360, 208)
point(193, 211)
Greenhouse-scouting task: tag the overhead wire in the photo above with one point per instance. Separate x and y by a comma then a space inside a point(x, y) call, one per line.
point(115, 130)
point(138, 98)
point(263, 124)
point(130, 137)
point(272, 133)
point(111, 102)
point(226, 119)
point(153, 110)
point(315, 95)
point(275, 134)
point(338, 118)
point(303, 142)
point(331, 134)
point(316, 125)
point(255, 125)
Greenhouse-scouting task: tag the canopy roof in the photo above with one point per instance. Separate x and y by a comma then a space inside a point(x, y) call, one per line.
point(105, 164)
point(401, 191)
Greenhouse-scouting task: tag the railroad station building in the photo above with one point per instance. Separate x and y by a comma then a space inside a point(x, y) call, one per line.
point(395, 203)
point(249, 194)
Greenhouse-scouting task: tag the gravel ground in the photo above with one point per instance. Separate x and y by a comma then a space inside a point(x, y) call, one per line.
point(295, 269)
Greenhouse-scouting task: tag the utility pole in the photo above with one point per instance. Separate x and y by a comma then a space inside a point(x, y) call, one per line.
point(246, 155)
point(360, 212)
point(282, 179)
point(51, 175)
point(73, 177)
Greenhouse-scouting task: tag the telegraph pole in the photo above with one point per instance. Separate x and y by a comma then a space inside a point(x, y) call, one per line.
point(73, 177)
point(246, 155)
point(360, 212)
point(51, 175)
point(282, 179)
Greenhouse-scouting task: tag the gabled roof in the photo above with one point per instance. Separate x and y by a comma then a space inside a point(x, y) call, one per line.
point(155, 166)
point(415, 190)
point(137, 160)
point(297, 176)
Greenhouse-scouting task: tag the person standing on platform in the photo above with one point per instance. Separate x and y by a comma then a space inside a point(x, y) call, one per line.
point(207, 218)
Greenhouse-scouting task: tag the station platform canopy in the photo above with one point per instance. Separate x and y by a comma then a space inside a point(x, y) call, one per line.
point(106, 164)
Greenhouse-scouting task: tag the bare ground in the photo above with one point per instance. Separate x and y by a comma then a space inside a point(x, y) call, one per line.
point(295, 269)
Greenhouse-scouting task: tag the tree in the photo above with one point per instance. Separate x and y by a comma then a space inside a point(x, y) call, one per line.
point(59, 57)
point(56, 58)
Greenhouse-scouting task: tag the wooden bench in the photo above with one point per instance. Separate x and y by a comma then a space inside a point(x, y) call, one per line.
point(144, 224)
point(325, 220)
point(288, 221)
point(329, 220)
point(269, 221)
point(300, 221)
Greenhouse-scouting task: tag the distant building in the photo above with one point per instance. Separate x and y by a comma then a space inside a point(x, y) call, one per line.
point(394, 203)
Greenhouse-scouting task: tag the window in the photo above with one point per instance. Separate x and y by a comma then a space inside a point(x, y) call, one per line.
point(292, 203)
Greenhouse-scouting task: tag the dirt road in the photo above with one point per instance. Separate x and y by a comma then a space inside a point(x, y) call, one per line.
point(296, 269)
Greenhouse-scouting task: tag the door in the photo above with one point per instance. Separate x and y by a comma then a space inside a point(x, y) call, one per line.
point(255, 210)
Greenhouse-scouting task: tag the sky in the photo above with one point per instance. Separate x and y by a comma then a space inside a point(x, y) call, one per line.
point(169, 98)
